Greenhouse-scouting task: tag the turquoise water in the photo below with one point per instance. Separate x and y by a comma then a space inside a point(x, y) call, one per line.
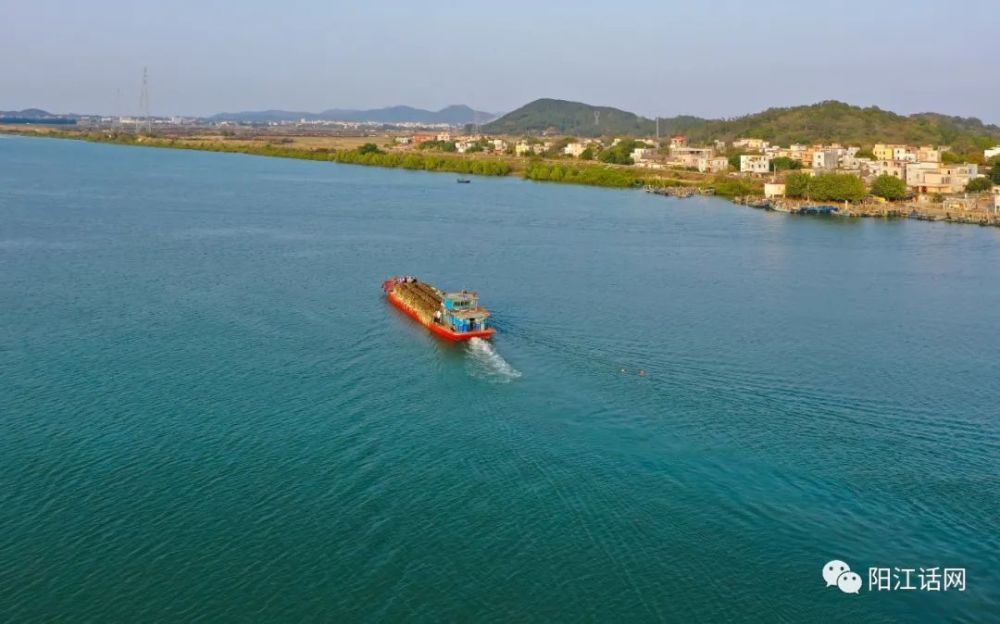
point(208, 413)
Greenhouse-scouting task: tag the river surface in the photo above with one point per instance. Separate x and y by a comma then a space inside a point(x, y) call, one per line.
point(209, 413)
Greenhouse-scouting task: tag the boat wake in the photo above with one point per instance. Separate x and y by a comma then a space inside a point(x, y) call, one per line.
point(486, 363)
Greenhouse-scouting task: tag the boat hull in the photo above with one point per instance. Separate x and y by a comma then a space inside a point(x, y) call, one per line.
point(438, 330)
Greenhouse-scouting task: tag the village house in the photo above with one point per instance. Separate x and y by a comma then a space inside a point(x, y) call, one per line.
point(574, 149)
point(423, 138)
point(825, 159)
point(640, 154)
point(716, 164)
point(689, 156)
point(755, 163)
point(992, 152)
point(935, 178)
point(444, 136)
point(499, 145)
point(751, 144)
point(678, 141)
point(875, 168)
point(928, 154)
point(774, 189)
point(884, 151)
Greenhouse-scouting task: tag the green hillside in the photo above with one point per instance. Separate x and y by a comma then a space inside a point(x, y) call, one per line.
point(825, 122)
point(577, 119)
point(838, 122)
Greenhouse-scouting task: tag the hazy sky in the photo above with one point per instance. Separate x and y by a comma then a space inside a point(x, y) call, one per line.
point(708, 58)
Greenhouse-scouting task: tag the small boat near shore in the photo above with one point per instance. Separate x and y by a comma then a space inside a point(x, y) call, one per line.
point(453, 316)
point(464, 181)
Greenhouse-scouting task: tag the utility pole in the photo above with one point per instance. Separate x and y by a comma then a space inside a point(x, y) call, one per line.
point(144, 98)
point(657, 129)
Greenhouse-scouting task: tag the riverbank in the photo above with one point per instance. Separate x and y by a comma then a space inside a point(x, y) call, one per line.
point(361, 151)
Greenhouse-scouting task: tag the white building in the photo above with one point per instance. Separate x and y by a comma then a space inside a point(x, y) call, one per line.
point(574, 149)
point(936, 178)
point(992, 152)
point(755, 163)
point(642, 153)
point(772, 190)
point(717, 164)
point(876, 168)
point(751, 144)
point(825, 159)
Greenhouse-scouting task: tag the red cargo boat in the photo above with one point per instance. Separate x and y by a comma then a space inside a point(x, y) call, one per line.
point(453, 316)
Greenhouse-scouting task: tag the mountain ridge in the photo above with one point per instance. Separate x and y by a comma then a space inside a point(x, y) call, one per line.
point(456, 114)
point(827, 121)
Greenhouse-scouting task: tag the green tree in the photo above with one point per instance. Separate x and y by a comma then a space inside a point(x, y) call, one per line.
point(950, 158)
point(369, 148)
point(587, 154)
point(782, 163)
point(837, 187)
point(620, 154)
point(797, 184)
point(889, 187)
point(995, 170)
point(979, 185)
point(734, 161)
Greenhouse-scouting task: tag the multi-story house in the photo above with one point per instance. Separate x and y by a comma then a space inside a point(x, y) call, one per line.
point(715, 164)
point(937, 178)
point(825, 159)
point(875, 168)
point(755, 163)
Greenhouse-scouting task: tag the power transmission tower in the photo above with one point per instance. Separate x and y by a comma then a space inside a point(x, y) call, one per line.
point(597, 118)
point(144, 98)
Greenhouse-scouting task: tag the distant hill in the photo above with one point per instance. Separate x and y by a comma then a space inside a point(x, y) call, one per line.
point(838, 122)
point(35, 115)
point(816, 123)
point(577, 119)
point(455, 115)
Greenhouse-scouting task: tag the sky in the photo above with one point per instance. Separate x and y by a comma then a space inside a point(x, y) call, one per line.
point(720, 58)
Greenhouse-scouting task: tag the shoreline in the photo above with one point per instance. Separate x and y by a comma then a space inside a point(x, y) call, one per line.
point(738, 191)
